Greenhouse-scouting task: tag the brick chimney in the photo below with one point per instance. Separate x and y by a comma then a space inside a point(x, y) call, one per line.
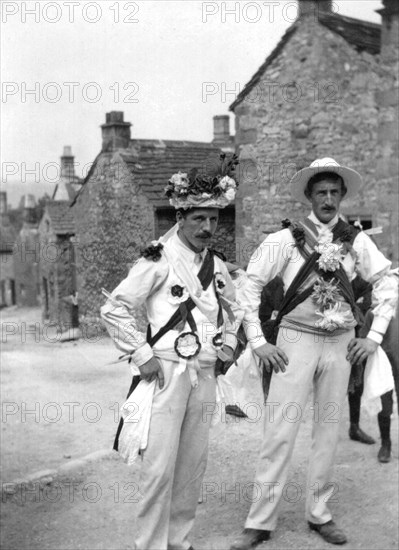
point(390, 30)
point(67, 164)
point(221, 128)
point(221, 133)
point(29, 205)
point(314, 7)
point(115, 132)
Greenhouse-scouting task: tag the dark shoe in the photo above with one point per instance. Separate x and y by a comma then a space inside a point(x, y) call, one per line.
point(329, 531)
point(357, 434)
point(384, 454)
point(250, 538)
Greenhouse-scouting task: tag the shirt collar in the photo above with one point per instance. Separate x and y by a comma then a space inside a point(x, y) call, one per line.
point(312, 217)
point(186, 251)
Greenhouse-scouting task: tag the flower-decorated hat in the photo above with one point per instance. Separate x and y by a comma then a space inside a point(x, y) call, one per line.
point(352, 179)
point(212, 186)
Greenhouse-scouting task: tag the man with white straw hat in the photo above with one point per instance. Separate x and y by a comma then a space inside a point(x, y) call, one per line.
point(193, 316)
point(313, 341)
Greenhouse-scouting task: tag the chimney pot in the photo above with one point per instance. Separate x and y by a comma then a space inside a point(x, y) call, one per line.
point(115, 132)
point(314, 7)
point(68, 164)
point(221, 128)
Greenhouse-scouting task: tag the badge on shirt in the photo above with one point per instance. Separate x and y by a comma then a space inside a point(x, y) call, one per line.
point(187, 345)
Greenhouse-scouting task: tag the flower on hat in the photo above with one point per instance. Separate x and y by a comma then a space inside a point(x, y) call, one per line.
point(204, 188)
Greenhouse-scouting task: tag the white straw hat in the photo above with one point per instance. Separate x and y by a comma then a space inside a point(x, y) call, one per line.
point(352, 179)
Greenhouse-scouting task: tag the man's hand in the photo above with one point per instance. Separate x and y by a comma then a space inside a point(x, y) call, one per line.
point(273, 357)
point(152, 370)
point(359, 349)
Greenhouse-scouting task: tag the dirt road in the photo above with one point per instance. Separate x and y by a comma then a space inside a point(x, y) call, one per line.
point(74, 395)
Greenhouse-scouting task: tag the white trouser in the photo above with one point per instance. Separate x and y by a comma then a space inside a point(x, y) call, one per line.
point(312, 358)
point(174, 461)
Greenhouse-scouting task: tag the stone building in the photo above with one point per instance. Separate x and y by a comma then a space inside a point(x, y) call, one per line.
point(7, 241)
point(27, 256)
point(121, 207)
point(328, 89)
point(57, 248)
point(57, 265)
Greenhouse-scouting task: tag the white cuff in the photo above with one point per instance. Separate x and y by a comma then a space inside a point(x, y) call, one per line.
point(380, 324)
point(375, 336)
point(143, 354)
point(260, 341)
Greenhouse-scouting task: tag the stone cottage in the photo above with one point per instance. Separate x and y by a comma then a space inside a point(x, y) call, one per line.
point(328, 89)
point(7, 242)
point(57, 265)
point(121, 206)
point(27, 257)
point(57, 249)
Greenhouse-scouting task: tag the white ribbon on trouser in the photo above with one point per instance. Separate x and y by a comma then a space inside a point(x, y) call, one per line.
point(136, 411)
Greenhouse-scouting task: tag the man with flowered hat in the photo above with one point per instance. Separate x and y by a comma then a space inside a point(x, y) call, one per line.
point(313, 342)
point(193, 316)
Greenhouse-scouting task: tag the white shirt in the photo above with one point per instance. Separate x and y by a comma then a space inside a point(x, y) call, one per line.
point(150, 283)
point(278, 254)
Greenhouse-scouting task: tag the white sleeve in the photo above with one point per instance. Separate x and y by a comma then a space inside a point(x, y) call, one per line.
point(266, 262)
point(374, 267)
point(233, 296)
point(118, 313)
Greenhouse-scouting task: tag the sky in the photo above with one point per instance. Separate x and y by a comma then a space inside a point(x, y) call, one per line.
point(169, 65)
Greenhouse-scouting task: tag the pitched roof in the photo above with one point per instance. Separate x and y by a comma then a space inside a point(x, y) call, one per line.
point(153, 161)
point(61, 215)
point(362, 35)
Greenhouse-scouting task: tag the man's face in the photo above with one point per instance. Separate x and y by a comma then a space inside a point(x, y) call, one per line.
point(326, 196)
point(197, 227)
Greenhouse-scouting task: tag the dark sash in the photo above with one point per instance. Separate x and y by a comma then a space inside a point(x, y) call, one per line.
point(293, 298)
point(205, 276)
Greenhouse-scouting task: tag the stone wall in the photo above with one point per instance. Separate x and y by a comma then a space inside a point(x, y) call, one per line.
point(7, 279)
point(387, 162)
point(114, 220)
point(318, 98)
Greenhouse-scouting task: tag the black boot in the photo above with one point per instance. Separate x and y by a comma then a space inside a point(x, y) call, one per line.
point(384, 454)
point(357, 434)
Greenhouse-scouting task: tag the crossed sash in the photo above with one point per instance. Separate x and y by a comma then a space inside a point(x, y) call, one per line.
point(302, 285)
point(183, 313)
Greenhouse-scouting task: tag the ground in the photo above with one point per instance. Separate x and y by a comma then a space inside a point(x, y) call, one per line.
point(60, 403)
